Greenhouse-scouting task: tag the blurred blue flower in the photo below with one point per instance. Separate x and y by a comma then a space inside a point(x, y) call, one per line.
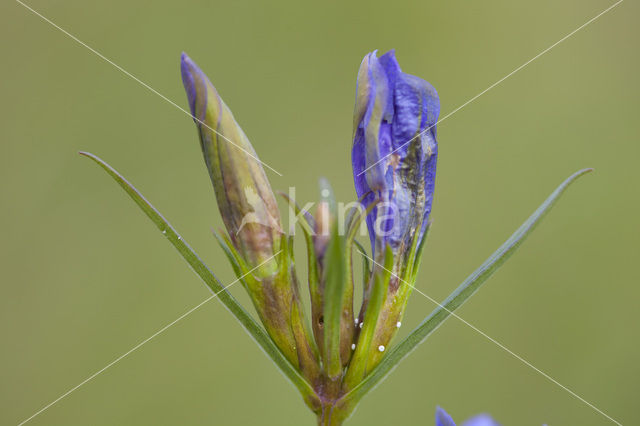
point(444, 419)
point(394, 150)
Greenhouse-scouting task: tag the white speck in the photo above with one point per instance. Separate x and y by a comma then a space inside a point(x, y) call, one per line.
point(325, 193)
point(179, 237)
point(361, 324)
point(381, 348)
point(398, 324)
point(164, 232)
point(353, 346)
point(356, 321)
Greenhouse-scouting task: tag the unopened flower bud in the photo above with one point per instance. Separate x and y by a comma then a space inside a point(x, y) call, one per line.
point(394, 150)
point(244, 196)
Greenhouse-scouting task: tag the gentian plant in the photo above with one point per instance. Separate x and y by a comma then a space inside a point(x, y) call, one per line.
point(335, 354)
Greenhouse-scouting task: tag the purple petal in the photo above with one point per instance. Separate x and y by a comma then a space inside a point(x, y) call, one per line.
point(481, 420)
point(195, 84)
point(442, 418)
point(395, 150)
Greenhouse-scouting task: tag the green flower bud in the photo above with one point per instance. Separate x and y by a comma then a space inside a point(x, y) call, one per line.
point(257, 246)
point(245, 199)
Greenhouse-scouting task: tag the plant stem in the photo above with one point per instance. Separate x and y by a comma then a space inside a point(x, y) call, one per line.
point(331, 415)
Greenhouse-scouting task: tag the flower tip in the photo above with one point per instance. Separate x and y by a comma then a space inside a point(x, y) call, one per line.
point(389, 62)
point(390, 53)
point(195, 84)
point(373, 57)
point(443, 418)
point(186, 65)
point(369, 59)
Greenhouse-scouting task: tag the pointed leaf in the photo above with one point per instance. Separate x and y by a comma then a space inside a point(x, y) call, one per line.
point(307, 225)
point(247, 322)
point(366, 267)
point(459, 296)
point(335, 286)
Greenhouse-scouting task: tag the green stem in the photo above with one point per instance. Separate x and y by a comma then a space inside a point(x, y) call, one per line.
point(332, 415)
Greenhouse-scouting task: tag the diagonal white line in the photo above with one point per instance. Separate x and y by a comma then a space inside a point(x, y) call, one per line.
point(145, 85)
point(500, 345)
point(495, 84)
point(124, 355)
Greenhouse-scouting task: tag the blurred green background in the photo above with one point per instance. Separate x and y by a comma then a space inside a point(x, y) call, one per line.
point(85, 276)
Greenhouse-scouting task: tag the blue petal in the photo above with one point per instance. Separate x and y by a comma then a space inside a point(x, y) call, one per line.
point(481, 420)
point(195, 84)
point(442, 418)
point(395, 149)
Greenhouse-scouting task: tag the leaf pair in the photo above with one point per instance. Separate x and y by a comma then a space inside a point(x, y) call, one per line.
point(363, 381)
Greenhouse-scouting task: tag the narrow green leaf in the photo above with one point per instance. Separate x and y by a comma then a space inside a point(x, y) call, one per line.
point(307, 229)
point(413, 260)
point(459, 296)
point(418, 258)
point(245, 319)
point(358, 365)
point(357, 209)
point(307, 224)
point(232, 255)
point(335, 286)
point(366, 267)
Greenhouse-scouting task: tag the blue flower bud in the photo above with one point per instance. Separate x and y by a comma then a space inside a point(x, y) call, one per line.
point(394, 150)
